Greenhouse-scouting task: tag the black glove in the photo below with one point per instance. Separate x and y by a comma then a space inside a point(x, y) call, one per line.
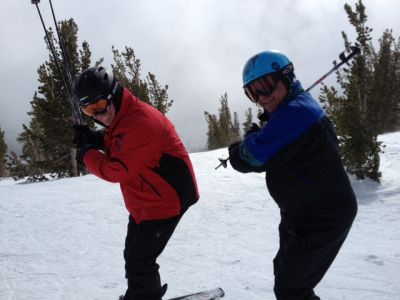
point(234, 158)
point(254, 128)
point(264, 116)
point(84, 135)
point(233, 145)
point(238, 163)
point(81, 151)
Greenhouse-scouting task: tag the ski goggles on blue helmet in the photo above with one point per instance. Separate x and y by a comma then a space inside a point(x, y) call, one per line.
point(263, 86)
point(262, 73)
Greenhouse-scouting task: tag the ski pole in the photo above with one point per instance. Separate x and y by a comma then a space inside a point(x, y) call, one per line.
point(63, 51)
point(74, 106)
point(224, 163)
point(344, 59)
point(67, 65)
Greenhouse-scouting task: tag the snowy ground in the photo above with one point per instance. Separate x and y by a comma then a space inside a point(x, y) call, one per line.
point(64, 239)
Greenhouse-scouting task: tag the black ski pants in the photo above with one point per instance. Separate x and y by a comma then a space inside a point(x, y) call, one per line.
point(144, 243)
point(303, 259)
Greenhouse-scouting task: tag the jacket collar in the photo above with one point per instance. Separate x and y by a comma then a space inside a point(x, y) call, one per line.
point(294, 90)
point(125, 102)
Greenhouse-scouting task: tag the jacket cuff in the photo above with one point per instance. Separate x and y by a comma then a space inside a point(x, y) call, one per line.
point(238, 163)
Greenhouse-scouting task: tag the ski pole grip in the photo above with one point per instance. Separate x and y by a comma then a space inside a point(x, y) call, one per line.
point(354, 51)
point(224, 163)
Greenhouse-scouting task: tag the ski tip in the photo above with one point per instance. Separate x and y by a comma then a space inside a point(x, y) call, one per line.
point(212, 294)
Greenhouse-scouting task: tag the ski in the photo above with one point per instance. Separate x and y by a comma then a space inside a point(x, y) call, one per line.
point(213, 294)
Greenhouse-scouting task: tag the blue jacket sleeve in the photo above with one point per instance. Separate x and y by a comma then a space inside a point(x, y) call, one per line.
point(289, 122)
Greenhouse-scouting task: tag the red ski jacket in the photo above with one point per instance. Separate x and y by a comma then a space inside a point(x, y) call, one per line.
point(145, 155)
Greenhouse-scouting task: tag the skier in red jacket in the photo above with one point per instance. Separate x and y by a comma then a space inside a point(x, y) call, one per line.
point(140, 150)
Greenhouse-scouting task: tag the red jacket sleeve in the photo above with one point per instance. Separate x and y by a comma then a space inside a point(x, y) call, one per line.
point(131, 150)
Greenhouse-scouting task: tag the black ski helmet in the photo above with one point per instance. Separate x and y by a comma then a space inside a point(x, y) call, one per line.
point(94, 82)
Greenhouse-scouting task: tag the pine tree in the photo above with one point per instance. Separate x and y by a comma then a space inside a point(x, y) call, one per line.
point(235, 131)
point(213, 133)
point(46, 140)
point(353, 112)
point(3, 154)
point(385, 89)
point(396, 66)
point(17, 167)
point(248, 114)
point(127, 69)
point(225, 120)
point(222, 130)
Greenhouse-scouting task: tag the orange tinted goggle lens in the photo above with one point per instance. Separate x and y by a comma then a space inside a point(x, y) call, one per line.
point(265, 86)
point(94, 108)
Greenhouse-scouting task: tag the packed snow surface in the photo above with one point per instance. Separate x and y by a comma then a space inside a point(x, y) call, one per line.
point(64, 239)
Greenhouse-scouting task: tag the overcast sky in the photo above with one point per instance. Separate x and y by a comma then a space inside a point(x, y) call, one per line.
point(197, 47)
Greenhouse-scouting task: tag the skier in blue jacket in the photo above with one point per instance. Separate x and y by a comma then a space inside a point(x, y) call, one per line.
point(298, 150)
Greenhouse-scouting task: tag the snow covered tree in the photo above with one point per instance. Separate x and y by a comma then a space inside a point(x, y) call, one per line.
point(354, 112)
point(3, 153)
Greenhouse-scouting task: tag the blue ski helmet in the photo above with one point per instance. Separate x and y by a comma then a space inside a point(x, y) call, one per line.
point(268, 62)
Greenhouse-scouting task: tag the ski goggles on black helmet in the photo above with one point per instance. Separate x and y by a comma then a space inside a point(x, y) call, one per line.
point(263, 86)
point(96, 106)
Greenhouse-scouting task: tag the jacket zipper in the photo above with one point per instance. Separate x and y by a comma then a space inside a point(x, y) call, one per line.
point(149, 185)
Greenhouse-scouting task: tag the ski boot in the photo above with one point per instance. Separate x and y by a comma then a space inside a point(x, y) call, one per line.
point(163, 291)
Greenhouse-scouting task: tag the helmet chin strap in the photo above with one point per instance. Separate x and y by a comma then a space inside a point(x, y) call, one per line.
point(117, 96)
point(98, 122)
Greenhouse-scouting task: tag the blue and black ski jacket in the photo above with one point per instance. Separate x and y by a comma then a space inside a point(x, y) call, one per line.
point(298, 149)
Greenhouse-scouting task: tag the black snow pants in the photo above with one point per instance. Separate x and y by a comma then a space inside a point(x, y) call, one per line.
point(144, 243)
point(303, 259)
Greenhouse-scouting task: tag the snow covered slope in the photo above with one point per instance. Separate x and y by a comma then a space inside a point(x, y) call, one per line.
point(64, 239)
